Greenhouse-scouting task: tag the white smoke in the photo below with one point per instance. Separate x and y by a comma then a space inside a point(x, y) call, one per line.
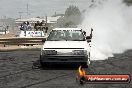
point(112, 24)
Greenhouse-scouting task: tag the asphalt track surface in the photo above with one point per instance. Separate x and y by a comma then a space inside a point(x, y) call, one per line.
point(16, 71)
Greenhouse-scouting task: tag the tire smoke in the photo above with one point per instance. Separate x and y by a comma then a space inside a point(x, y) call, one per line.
point(111, 21)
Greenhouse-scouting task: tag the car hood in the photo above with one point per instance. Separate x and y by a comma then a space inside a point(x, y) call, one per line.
point(66, 45)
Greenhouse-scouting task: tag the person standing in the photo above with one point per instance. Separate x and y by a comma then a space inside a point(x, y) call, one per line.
point(23, 26)
point(37, 26)
point(43, 25)
point(29, 26)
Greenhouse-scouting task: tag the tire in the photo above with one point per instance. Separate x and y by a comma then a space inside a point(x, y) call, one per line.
point(84, 65)
point(82, 80)
point(36, 65)
point(42, 64)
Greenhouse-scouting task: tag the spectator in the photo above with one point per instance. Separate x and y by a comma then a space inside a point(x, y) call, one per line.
point(37, 26)
point(23, 26)
point(43, 26)
point(29, 26)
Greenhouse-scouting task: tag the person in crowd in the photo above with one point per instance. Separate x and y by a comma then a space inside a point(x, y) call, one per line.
point(37, 26)
point(29, 26)
point(43, 26)
point(23, 26)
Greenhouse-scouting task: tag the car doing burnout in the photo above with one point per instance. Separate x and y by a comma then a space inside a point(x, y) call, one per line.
point(66, 45)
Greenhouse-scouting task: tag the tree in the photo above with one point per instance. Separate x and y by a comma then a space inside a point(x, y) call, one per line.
point(72, 10)
point(128, 2)
point(71, 18)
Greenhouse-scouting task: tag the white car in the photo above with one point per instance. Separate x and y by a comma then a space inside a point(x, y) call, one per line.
point(66, 46)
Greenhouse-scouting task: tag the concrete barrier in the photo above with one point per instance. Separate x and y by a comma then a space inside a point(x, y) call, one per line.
point(22, 41)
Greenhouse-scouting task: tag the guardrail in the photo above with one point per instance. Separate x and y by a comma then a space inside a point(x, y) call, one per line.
point(22, 41)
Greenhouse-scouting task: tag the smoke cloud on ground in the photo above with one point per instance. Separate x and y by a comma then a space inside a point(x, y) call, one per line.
point(112, 24)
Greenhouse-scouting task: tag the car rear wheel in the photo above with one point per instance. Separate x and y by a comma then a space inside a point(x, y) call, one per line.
point(42, 64)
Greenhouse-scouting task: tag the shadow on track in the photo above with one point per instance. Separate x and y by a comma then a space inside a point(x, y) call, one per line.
point(37, 65)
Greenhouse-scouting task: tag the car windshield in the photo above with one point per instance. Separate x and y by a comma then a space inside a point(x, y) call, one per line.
point(66, 35)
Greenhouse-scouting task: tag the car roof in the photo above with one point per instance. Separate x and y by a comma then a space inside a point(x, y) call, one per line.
point(67, 29)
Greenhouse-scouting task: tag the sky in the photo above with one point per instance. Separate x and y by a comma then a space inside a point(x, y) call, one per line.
point(13, 8)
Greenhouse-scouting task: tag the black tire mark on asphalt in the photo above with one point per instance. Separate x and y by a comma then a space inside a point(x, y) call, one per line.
point(19, 72)
point(44, 81)
point(26, 69)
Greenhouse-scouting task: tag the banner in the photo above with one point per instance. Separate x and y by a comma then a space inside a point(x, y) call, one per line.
point(30, 34)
